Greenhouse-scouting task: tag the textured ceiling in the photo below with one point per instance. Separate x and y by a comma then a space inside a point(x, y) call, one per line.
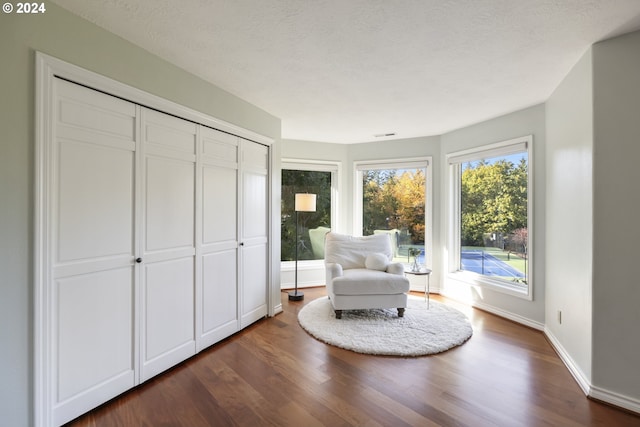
point(346, 70)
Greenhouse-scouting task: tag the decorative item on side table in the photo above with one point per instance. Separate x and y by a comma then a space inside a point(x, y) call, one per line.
point(416, 270)
point(414, 252)
point(304, 202)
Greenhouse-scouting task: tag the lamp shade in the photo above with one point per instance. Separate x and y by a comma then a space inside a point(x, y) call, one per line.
point(305, 202)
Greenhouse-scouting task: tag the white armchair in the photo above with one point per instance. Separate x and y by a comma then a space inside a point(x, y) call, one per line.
point(360, 273)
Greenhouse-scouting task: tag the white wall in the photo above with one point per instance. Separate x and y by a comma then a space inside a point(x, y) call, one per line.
point(72, 39)
point(593, 147)
point(530, 121)
point(569, 206)
point(616, 283)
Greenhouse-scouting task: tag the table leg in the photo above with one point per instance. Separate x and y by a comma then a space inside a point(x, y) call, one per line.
point(427, 290)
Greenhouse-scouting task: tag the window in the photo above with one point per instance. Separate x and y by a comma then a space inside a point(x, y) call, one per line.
point(490, 207)
point(391, 197)
point(319, 179)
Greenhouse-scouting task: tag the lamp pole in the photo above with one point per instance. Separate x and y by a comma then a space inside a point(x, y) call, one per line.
point(295, 295)
point(304, 202)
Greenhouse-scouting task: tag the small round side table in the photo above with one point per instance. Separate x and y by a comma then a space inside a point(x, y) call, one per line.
point(427, 283)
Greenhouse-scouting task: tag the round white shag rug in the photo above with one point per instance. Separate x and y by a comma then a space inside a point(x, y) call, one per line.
point(420, 332)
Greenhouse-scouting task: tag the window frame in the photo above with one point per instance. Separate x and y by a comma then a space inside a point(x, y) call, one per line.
point(454, 162)
point(401, 163)
point(335, 168)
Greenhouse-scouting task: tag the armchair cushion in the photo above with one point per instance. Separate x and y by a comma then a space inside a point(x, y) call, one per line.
point(362, 281)
point(396, 268)
point(351, 251)
point(376, 261)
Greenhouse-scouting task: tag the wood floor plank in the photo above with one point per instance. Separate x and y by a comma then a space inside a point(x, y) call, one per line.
point(274, 374)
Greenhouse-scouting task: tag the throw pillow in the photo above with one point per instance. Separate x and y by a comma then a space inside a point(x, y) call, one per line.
point(376, 261)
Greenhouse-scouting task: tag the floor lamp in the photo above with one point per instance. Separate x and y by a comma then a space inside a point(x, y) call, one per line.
point(305, 202)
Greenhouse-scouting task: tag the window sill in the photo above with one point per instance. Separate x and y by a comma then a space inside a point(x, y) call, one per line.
point(307, 264)
point(518, 290)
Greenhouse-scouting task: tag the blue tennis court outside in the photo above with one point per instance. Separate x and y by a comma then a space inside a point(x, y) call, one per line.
point(482, 262)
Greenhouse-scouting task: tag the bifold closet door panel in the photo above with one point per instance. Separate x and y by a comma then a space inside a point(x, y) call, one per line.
point(91, 281)
point(168, 242)
point(219, 295)
point(152, 244)
point(255, 232)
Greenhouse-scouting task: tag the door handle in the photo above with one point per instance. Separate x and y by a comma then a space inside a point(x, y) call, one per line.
point(138, 260)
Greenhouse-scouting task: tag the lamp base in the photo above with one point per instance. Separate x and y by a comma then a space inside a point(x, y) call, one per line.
point(296, 296)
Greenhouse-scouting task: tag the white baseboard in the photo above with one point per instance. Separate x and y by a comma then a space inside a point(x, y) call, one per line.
point(594, 392)
point(502, 313)
point(573, 368)
point(509, 315)
point(277, 309)
point(615, 399)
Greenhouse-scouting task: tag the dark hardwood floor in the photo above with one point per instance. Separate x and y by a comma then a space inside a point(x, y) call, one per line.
point(274, 374)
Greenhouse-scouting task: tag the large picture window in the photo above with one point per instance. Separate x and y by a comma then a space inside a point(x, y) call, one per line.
point(317, 179)
point(490, 220)
point(393, 198)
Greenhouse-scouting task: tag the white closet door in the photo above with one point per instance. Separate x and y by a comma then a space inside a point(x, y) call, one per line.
point(254, 228)
point(218, 317)
point(168, 242)
point(92, 250)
